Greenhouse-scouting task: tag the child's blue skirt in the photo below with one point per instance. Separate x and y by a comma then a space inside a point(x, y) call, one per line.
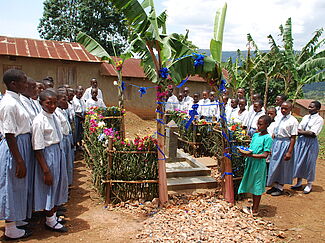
point(13, 190)
point(280, 170)
point(67, 146)
point(306, 152)
point(46, 197)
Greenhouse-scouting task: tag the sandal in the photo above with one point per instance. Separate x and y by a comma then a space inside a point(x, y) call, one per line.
point(249, 211)
point(26, 235)
point(63, 229)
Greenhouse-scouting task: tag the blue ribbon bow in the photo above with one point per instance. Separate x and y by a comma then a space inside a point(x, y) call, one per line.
point(198, 59)
point(123, 86)
point(164, 72)
point(192, 114)
point(142, 90)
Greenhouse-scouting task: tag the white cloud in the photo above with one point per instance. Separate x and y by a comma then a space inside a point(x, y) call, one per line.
point(258, 17)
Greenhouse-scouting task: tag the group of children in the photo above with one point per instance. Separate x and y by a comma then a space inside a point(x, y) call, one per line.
point(40, 128)
point(273, 132)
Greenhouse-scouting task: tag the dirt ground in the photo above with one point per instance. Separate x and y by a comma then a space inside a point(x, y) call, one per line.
point(300, 217)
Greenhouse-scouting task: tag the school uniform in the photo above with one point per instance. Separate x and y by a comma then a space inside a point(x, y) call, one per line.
point(79, 107)
point(180, 106)
point(47, 136)
point(33, 111)
point(87, 94)
point(232, 114)
point(281, 171)
point(214, 110)
point(278, 111)
point(204, 108)
point(29, 106)
point(240, 118)
point(251, 109)
point(67, 141)
point(307, 148)
point(187, 103)
point(251, 122)
point(37, 106)
point(171, 104)
point(95, 103)
point(13, 190)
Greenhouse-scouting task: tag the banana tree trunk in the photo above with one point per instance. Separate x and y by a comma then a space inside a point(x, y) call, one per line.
point(121, 101)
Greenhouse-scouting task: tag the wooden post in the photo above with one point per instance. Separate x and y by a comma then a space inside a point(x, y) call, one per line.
point(163, 193)
point(108, 174)
point(229, 184)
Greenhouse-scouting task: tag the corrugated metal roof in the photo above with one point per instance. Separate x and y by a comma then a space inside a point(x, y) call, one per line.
point(133, 69)
point(305, 103)
point(48, 49)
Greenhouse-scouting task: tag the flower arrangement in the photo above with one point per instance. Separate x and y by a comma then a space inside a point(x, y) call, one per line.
point(119, 65)
point(131, 159)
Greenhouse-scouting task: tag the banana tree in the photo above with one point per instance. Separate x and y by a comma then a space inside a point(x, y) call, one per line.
point(162, 56)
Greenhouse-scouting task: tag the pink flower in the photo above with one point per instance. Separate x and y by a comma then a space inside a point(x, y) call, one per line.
point(122, 142)
point(109, 131)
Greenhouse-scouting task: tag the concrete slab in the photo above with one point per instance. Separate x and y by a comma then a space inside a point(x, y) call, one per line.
point(208, 161)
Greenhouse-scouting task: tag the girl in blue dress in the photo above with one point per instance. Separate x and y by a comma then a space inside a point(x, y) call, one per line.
point(15, 155)
point(51, 179)
point(254, 178)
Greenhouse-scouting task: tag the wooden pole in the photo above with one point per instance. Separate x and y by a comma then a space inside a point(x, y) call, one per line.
point(163, 193)
point(229, 184)
point(108, 174)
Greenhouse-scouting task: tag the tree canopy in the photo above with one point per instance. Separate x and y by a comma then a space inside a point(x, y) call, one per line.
point(63, 19)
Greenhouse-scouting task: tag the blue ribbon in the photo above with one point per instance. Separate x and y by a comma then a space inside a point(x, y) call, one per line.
point(222, 87)
point(183, 82)
point(159, 111)
point(160, 151)
point(123, 86)
point(198, 59)
point(227, 173)
point(160, 134)
point(192, 114)
point(160, 121)
point(225, 136)
point(164, 73)
point(143, 90)
point(227, 155)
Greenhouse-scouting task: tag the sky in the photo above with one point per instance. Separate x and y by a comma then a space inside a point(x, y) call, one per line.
point(20, 18)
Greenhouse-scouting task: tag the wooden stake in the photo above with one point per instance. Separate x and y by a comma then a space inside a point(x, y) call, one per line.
point(108, 175)
point(229, 184)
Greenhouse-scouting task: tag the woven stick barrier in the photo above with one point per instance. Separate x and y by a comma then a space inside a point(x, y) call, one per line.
point(130, 182)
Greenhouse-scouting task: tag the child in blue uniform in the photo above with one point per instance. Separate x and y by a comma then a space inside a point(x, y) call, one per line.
point(61, 112)
point(307, 147)
point(51, 180)
point(254, 178)
point(15, 154)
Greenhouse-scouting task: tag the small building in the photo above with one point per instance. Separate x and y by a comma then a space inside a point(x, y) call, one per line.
point(69, 63)
point(301, 108)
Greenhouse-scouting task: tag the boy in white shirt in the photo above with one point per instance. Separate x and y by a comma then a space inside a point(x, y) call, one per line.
point(87, 94)
point(233, 112)
point(242, 112)
point(172, 101)
point(187, 100)
point(95, 100)
point(252, 117)
point(79, 108)
point(214, 110)
point(204, 105)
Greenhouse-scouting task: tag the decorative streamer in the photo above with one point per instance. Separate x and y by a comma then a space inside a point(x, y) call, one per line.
point(192, 114)
point(183, 82)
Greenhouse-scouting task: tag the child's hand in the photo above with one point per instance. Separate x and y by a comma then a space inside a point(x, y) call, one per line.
point(48, 178)
point(287, 156)
point(20, 169)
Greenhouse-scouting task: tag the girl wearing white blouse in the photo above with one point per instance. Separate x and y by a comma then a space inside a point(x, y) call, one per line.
point(51, 179)
point(15, 154)
point(307, 147)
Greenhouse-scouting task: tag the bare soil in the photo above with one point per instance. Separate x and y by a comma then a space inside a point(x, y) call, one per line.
point(301, 217)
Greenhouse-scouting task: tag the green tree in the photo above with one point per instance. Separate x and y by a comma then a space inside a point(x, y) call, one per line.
point(63, 19)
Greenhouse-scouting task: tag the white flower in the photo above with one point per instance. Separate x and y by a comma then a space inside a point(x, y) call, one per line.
point(101, 124)
point(115, 83)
